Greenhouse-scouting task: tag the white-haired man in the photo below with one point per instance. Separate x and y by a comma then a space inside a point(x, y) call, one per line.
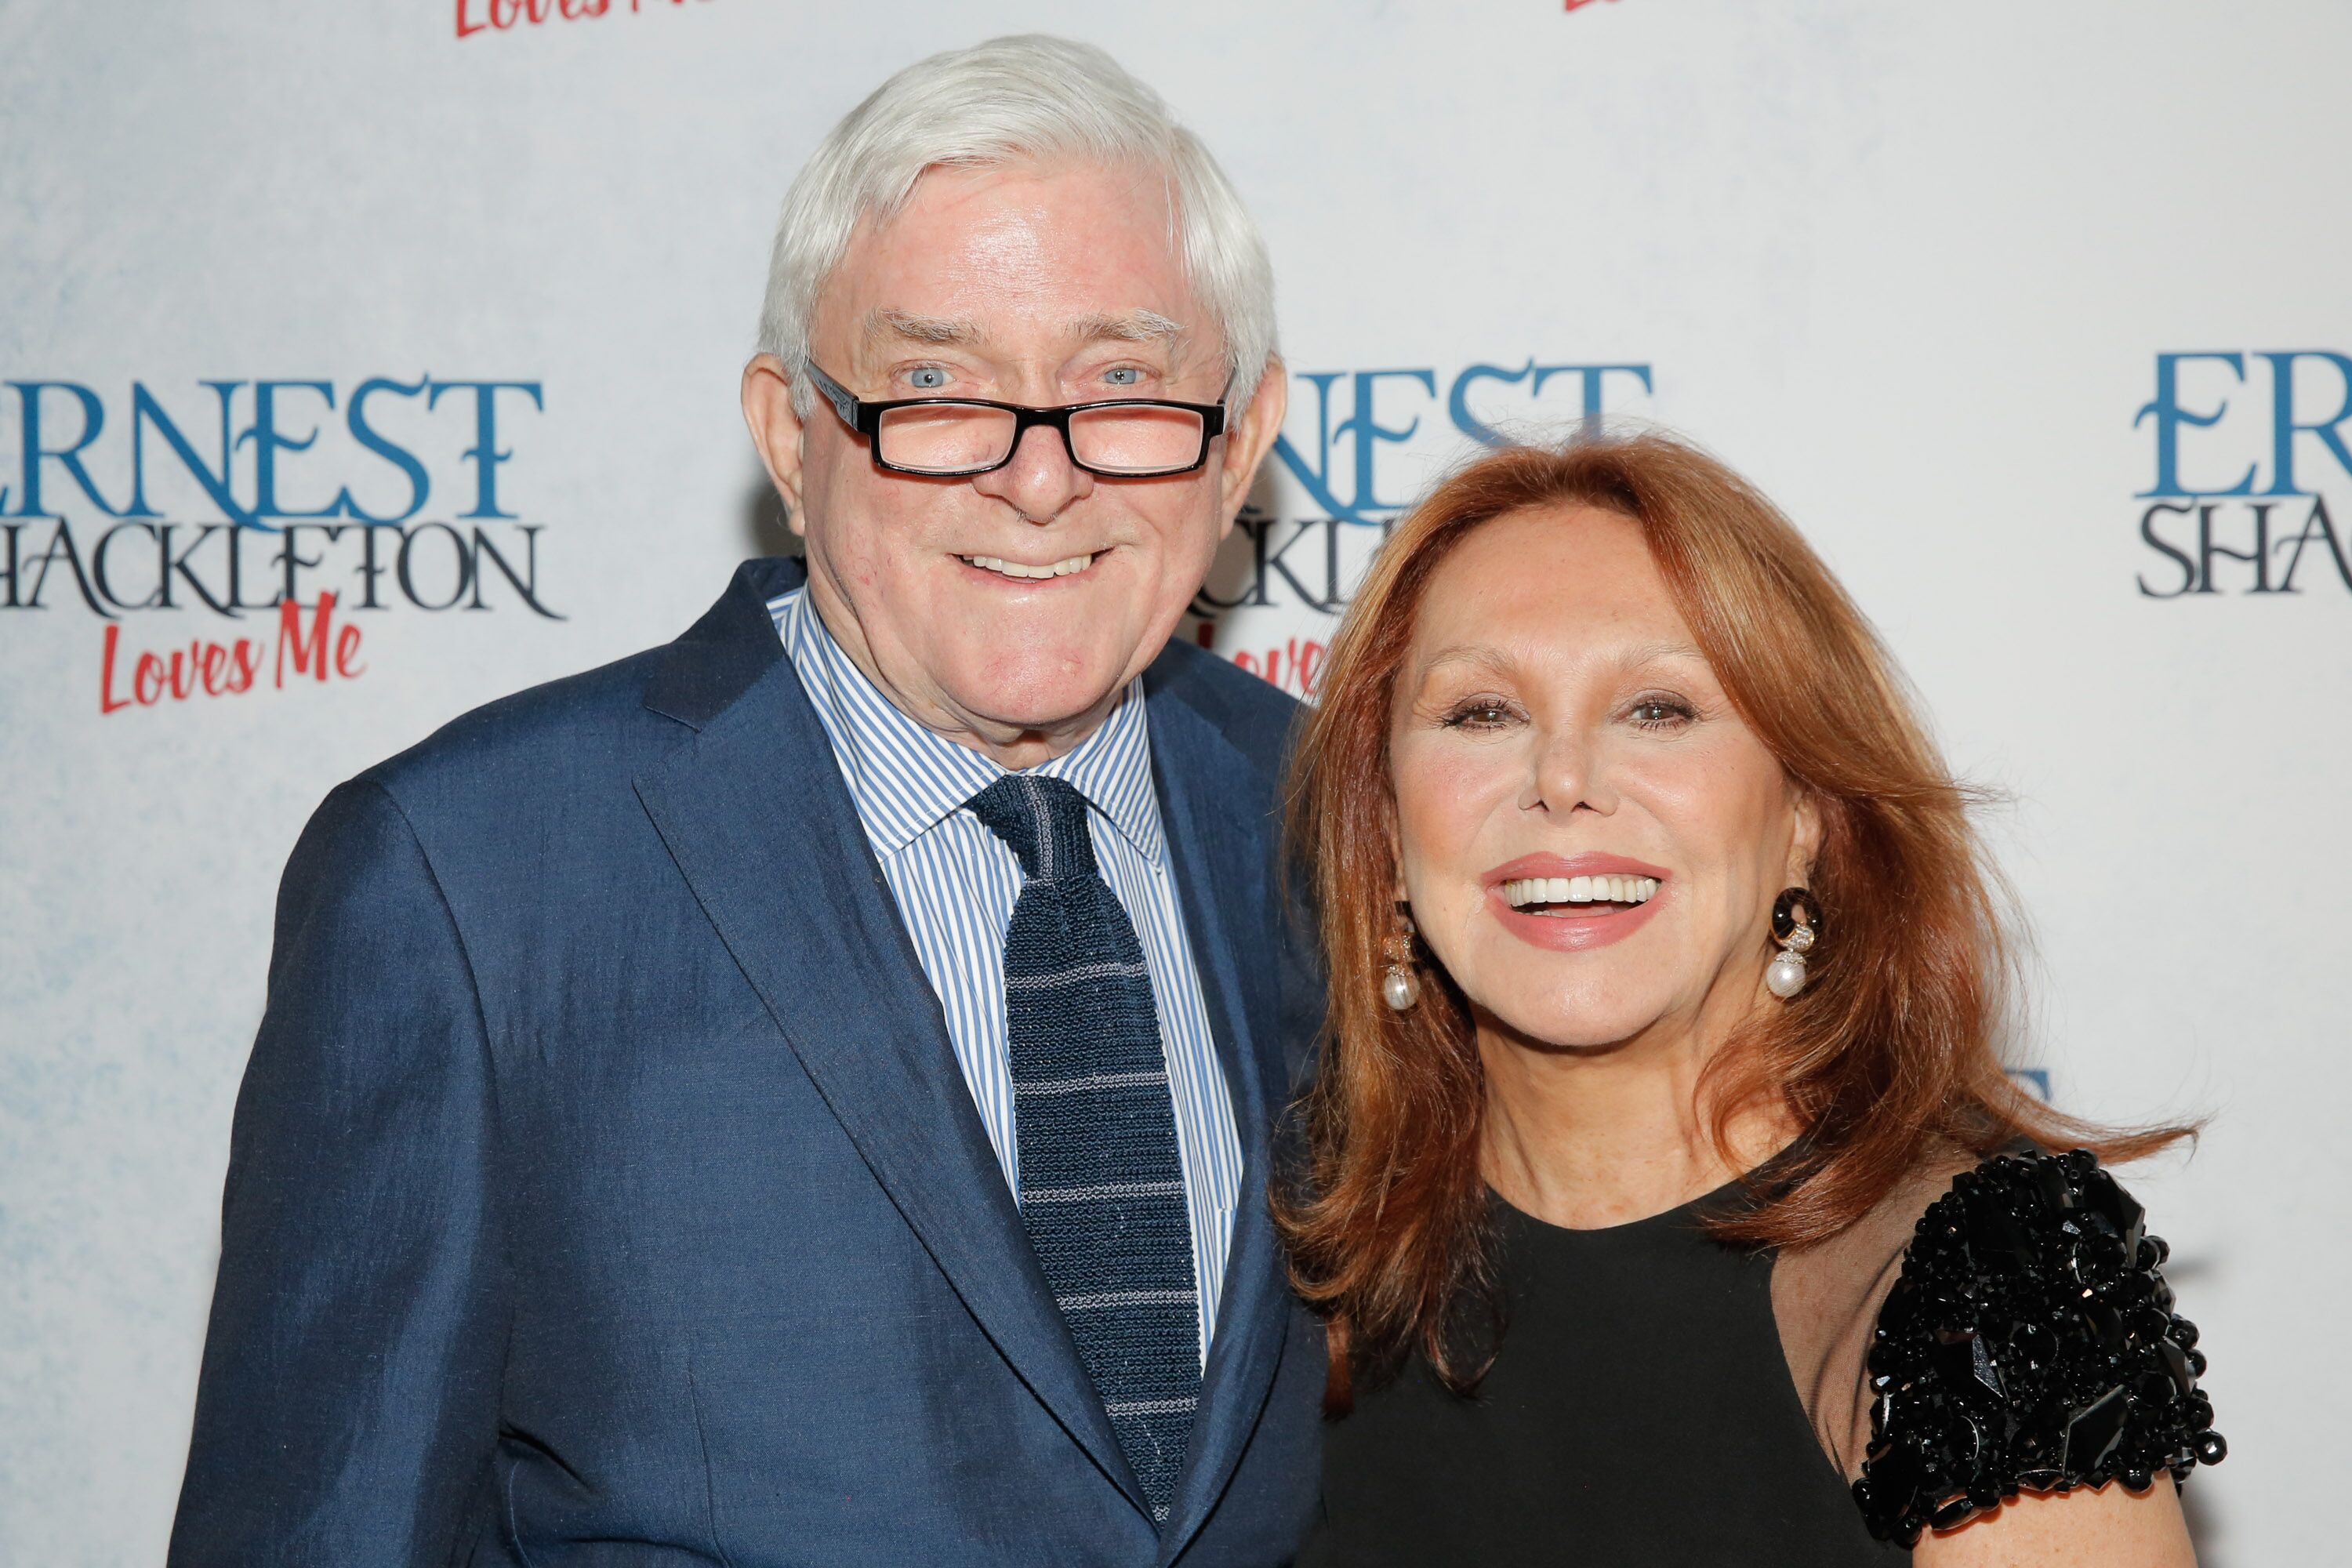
point(803, 1094)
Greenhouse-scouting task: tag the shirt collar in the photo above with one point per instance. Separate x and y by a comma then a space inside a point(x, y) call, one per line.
point(905, 780)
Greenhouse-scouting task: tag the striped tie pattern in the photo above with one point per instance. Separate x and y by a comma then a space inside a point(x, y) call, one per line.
point(1102, 1193)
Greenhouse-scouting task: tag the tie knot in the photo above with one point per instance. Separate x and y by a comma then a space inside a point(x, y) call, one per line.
point(1042, 821)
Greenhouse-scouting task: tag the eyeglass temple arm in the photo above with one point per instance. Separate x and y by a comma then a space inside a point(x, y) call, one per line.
point(843, 402)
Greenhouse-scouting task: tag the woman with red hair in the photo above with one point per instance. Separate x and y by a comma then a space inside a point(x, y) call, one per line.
point(1662, 1190)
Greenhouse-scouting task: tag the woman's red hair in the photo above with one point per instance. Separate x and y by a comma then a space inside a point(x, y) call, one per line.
point(1888, 1052)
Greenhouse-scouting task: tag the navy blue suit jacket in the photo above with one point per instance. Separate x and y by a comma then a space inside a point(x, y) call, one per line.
point(604, 1190)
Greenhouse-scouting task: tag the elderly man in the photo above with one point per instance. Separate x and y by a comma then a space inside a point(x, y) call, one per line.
point(802, 1094)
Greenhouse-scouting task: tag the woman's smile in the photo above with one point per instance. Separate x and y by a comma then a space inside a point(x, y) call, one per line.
point(1570, 903)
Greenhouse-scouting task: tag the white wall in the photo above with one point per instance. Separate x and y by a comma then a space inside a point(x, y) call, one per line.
point(1910, 266)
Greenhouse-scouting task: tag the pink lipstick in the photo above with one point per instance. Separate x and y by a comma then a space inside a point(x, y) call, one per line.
point(1590, 922)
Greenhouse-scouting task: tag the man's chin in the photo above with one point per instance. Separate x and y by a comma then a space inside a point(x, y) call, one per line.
point(1046, 698)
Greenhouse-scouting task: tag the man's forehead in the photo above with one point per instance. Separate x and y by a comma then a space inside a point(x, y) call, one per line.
point(1080, 251)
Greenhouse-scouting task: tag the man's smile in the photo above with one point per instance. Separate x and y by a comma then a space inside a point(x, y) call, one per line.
point(1067, 566)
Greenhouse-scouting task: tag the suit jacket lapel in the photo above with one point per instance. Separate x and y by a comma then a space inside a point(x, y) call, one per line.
point(756, 815)
point(1211, 799)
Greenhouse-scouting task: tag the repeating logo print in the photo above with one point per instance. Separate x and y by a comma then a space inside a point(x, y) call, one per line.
point(2247, 447)
point(1359, 445)
point(289, 509)
point(500, 15)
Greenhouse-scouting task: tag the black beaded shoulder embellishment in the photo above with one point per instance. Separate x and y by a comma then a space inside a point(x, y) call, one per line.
point(2029, 1344)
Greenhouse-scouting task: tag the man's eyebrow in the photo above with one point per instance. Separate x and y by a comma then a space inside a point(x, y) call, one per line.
point(1125, 327)
point(884, 326)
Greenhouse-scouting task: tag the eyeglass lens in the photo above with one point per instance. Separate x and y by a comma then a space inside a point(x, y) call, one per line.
point(953, 437)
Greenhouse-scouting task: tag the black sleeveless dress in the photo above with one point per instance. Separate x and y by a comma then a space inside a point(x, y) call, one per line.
point(1659, 1400)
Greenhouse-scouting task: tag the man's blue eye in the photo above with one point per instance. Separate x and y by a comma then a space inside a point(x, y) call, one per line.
point(929, 378)
point(1125, 375)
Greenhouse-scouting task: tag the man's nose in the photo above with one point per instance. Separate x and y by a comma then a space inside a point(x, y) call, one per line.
point(1041, 481)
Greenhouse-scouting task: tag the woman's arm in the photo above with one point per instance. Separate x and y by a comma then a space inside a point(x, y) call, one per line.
point(2109, 1528)
point(2030, 1343)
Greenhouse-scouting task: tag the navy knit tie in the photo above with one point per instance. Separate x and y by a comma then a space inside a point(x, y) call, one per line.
point(1102, 1193)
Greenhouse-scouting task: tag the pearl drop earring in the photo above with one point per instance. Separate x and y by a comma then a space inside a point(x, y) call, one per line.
point(1399, 987)
point(1794, 913)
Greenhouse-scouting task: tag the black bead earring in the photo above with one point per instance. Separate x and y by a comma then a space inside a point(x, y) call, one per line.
point(1795, 926)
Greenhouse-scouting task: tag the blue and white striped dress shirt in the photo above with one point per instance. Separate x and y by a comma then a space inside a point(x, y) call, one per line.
point(956, 882)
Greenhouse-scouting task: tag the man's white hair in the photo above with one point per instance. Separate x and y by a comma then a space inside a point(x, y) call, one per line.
point(1032, 97)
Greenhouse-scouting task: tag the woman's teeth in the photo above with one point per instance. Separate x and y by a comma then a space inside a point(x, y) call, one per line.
point(1526, 890)
point(1014, 568)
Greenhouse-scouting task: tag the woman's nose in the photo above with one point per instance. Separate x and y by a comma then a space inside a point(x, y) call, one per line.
point(1565, 771)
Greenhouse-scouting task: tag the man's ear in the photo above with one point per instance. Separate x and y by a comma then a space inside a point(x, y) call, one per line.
point(776, 429)
point(1249, 438)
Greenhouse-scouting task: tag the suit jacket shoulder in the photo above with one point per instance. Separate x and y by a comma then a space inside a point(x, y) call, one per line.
point(592, 731)
point(1257, 718)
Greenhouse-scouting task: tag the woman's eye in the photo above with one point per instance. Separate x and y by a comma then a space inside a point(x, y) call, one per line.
point(927, 378)
point(1659, 713)
point(1478, 714)
point(1123, 376)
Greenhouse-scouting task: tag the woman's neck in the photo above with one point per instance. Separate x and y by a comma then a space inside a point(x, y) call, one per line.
point(1585, 1138)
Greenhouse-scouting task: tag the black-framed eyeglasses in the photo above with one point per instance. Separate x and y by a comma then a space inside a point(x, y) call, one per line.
point(950, 437)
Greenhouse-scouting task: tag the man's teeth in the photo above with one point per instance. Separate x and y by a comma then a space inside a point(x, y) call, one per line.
point(1014, 568)
point(1527, 890)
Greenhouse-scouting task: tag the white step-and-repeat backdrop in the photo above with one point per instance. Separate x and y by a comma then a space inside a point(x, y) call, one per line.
point(364, 363)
